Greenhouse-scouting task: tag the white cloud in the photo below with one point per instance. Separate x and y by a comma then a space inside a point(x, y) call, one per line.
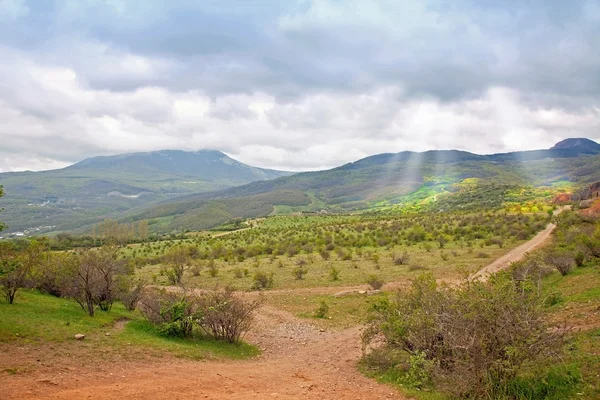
point(13, 9)
point(314, 86)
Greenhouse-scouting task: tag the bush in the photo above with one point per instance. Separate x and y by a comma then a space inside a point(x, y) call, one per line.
point(322, 310)
point(474, 337)
point(334, 274)
point(262, 281)
point(171, 312)
point(375, 282)
point(562, 260)
point(132, 291)
point(401, 259)
point(299, 272)
point(225, 316)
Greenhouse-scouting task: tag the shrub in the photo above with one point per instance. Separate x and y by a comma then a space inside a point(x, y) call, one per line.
point(375, 282)
point(213, 269)
point(334, 274)
point(474, 338)
point(225, 316)
point(262, 281)
point(299, 272)
point(401, 259)
point(322, 310)
point(171, 312)
point(562, 260)
point(132, 291)
point(238, 272)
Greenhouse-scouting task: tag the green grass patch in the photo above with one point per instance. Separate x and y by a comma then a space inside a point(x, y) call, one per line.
point(40, 318)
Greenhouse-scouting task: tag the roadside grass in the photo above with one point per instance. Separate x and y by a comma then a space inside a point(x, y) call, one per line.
point(344, 311)
point(37, 319)
point(579, 309)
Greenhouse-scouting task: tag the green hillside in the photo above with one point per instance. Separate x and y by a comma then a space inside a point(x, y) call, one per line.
point(103, 186)
point(434, 180)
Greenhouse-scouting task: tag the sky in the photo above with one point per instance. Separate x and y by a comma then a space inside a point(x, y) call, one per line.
point(294, 84)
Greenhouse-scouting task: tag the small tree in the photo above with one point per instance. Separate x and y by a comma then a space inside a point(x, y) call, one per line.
point(177, 261)
point(562, 260)
point(17, 266)
point(93, 278)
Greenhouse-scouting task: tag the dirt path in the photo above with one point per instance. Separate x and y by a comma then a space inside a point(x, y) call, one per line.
point(519, 252)
point(299, 361)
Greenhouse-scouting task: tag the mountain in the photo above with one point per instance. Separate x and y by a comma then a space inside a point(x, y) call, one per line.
point(99, 187)
point(582, 144)
point(451, 178)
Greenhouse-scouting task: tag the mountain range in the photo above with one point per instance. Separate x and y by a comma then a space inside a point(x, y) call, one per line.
point(99, 187)
point(177, 191)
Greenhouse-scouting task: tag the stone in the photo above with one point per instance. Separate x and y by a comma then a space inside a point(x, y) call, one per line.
point(79, 336)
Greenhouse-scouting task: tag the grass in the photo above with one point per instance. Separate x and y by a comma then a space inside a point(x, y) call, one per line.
point(580, 310)
point(37, 318)
point(344, 311)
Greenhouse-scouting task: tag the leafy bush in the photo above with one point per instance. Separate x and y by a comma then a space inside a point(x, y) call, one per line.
point(262, 281)
point(172, 312)
point(375, 282)
point(299, 272)
point(475, 337)
point(334, 274)
point(322, 310)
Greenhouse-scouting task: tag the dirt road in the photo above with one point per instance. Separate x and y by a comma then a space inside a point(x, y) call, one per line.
point(299, 361)
point(519, 252)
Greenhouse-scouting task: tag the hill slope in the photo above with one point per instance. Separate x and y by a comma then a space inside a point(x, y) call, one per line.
point(101, 186)
point(455, 177)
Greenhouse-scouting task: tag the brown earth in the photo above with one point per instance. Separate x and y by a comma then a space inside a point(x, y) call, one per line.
point(299, 360)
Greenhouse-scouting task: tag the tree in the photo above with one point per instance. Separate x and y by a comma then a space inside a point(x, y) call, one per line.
point(2, 226)
point(177, 261)
point(143, 229)
point(93, 279)
point(17, 266)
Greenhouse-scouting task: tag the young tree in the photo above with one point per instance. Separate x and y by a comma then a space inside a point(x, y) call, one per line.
point(2, 226)
point(17, 266)
point(177, 261)
point(93, 278)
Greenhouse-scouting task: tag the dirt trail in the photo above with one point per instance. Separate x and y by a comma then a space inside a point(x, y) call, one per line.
point(299, 361)
point(519, 252)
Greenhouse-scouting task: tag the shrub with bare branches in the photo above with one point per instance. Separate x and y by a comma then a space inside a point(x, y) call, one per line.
point(224, 315)
point(472, 338)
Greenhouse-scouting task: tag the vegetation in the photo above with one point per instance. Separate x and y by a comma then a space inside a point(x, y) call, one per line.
point(470, 340)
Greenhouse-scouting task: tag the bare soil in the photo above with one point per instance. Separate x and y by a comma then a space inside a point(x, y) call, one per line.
point(299, 360)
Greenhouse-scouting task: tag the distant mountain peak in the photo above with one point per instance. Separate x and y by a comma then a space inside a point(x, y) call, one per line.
point(576, 143)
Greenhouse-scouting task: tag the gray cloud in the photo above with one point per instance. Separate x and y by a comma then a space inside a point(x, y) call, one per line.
point(294, 85)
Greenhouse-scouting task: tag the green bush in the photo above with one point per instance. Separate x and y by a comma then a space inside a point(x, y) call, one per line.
point(474, 337)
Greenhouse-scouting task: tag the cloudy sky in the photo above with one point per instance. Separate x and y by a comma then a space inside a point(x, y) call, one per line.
point(294, 84)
